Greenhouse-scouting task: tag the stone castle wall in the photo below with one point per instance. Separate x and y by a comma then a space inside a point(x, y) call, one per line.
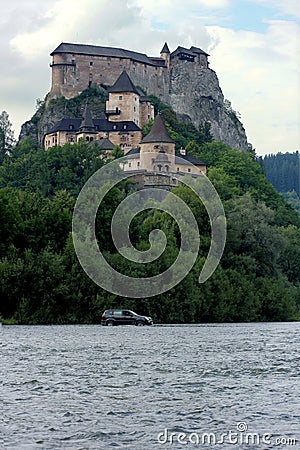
point(72, 74)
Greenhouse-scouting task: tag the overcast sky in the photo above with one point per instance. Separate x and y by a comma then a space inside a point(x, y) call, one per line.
point(254, 47)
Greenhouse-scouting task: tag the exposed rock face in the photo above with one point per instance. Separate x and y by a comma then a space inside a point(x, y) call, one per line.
point(196, 93)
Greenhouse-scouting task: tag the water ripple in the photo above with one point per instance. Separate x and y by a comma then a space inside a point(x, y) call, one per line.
point(93, 387)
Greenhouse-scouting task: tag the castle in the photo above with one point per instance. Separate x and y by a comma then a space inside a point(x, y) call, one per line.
point(75, 67)
point(127, 110)
point(181, 78)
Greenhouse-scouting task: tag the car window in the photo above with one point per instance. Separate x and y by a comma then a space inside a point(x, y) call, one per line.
point(117, 313)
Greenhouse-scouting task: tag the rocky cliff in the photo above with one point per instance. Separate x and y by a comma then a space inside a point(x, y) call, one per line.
point(192, 92)
point(197, 93)
point(54, 110)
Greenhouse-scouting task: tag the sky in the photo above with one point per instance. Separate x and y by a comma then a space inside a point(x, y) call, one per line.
point(254, 47)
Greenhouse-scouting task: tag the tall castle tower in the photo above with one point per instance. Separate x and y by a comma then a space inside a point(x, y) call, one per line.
point(126, 102)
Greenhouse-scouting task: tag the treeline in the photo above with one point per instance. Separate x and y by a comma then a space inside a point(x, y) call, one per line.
point(41, 280)
point(283, 171)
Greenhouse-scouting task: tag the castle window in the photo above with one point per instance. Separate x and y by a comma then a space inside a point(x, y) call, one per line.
point(134, 108)
point(120, 97)
point(123, 138)
point(189, 169)
point(138, 164)
point(177, 169)
point(129, 165)
point(91, 63)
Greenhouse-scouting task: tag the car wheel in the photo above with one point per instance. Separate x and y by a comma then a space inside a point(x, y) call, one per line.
point(110, 323)
point(140, 323)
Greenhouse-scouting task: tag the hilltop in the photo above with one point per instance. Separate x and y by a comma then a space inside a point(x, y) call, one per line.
point(181, 79)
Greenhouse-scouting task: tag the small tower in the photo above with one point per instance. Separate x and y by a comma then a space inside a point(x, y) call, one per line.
point(124, 101)
point(157, 141)
point(165, 54)
point(87, 129)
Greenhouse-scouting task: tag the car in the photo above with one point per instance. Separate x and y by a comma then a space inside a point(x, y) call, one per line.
point(112, 317)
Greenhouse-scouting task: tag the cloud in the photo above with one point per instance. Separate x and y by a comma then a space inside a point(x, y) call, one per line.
point(259, 73)
point(257, 70)
point(136, 21)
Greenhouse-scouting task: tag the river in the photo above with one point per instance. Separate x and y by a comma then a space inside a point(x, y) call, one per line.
point(223, 386)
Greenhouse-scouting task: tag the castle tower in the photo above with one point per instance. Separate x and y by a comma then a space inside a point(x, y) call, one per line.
point(157, 141)
point(124, 101)
point(165, 54)
point(87, 129)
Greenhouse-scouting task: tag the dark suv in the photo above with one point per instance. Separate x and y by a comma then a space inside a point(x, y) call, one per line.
point(112, 317)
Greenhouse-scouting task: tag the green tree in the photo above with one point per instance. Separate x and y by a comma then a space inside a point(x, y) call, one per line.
point(6, 135)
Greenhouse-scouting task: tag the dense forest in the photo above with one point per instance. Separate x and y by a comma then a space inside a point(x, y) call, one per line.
point(41, 280)
point(283, 171)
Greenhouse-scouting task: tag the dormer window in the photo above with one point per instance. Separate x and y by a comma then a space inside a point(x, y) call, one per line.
point(125, 127)
point(71, 127)
point(114, 127)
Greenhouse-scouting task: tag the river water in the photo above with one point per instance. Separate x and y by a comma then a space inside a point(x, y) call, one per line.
point(231, 386)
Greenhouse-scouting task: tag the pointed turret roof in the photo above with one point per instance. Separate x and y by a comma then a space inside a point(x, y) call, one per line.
point(87, 124)
point(124, 84)
point(158, 133)
point(165, 49)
